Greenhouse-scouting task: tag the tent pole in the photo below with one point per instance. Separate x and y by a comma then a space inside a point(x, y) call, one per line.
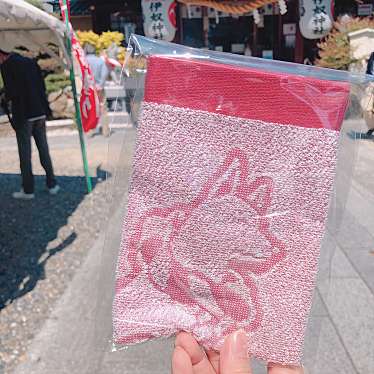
point(78, 115)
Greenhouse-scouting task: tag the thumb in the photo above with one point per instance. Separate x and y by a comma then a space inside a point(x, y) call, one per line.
point(234, 354)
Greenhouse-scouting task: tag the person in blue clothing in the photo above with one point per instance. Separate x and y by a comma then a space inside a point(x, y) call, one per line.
point(100, 73)
point(370, 71)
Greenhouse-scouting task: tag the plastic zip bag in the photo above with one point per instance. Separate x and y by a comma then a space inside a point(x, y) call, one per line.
point(232, 178)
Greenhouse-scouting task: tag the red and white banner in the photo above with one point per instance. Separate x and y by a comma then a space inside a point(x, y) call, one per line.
point(89, 100)
point(62, 7)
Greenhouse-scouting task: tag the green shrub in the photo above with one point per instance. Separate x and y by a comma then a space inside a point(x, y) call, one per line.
point(36, 3)
point(55, 82)
point(335, 50)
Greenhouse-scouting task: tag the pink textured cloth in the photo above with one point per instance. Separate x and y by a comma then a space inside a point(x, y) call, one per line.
point(228, 202)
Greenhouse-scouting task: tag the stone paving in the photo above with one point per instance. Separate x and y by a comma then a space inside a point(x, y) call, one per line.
point(340, 339)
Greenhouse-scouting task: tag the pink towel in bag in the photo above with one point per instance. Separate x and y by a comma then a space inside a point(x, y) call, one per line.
point(228, 202)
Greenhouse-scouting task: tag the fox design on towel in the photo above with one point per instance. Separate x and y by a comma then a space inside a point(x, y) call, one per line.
point(157, 231)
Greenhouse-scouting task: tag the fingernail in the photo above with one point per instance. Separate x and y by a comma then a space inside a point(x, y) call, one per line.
point(239, 344)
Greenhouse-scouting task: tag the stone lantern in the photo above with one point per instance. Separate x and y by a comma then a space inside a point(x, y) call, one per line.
point(362, 45)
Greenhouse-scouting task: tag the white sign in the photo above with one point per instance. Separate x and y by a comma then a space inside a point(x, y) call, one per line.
point(365, 9)
point(290, 41)
point(160, 21)
point(237, 48)
point(315, 18)
point(268, 54)
point(289, 28)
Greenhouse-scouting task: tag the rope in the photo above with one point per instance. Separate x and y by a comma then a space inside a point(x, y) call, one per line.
point(230, 6)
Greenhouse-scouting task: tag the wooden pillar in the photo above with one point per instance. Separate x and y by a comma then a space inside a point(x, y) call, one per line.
point(180, 35)
point(254, 41)
point(101, 16)
point(205, 27)
point(299, 44)
point(280, 34)
point(299, 47)
point(93, 9)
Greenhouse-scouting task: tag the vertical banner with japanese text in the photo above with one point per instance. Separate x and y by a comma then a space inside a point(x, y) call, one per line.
point(160, 21)
point(316, 18)
point(89, 100)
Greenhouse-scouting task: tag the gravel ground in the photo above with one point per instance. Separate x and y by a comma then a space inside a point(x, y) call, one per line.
point(43, 242)
point(5, 129)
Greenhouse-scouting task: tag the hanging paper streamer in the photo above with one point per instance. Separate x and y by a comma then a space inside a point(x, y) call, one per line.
point(232, 177)
point(282, 7)
point(256, 16)
point(316, 18)
point(89, 100)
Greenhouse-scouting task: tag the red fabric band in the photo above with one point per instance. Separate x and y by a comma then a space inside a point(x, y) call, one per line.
point(246, 92)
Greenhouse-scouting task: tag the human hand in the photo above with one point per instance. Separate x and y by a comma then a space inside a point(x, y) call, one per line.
point(190, 358)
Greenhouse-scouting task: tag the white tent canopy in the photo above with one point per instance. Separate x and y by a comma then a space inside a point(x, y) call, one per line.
point(22, 24)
